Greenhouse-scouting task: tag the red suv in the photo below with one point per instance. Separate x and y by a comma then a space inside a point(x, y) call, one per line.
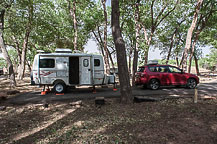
point(155, 76)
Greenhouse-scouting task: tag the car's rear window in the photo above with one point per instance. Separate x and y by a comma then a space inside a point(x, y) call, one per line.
point(141, 69)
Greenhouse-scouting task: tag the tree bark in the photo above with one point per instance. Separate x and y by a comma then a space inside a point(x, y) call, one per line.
point(106, 58)
point(177, 61)
point(136, 50)
point(171, 46)
point(5, 53)
point(196, 65)
point(75, 26)
point(192, 53)
point(130, 58)
point(111, 59)
point(72, 12)
point(189, 35)
point(22, 67)
point(125, 88)
point(148, 43)
point(172, 41)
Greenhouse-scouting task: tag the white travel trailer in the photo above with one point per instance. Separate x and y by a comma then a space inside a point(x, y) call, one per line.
point(64, 68)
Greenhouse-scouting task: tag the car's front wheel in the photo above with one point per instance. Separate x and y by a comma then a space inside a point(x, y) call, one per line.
point(191, 83)
point(154, 84)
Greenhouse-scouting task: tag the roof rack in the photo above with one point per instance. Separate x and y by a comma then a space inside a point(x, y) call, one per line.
point(152, 62)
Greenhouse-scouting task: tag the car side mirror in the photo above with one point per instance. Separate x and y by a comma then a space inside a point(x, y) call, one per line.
point(182, 71)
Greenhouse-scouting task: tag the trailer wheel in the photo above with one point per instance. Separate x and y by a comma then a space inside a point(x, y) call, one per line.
point(60, 87)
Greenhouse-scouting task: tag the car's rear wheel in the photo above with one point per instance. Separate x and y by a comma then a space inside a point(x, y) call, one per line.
point(154, 84)
point(191, 83)
point(60, 87)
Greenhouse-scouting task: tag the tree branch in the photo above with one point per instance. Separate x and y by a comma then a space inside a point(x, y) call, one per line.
point(167, 14)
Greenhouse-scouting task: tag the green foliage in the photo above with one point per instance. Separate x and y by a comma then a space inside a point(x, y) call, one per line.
point(13, 56)
point(2, 62)
point(170, 62)
point(210, 61)
point(52, 26)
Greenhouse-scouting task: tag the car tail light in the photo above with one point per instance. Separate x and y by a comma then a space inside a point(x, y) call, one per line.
point(143, 74)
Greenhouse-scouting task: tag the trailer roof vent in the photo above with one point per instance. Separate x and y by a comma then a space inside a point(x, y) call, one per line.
point(40, 51)
point(61, 50)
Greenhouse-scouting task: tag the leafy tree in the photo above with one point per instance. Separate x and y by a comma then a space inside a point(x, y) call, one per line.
point(206, 19)
point(189, 35)
point(5, 5)
point(126, 92)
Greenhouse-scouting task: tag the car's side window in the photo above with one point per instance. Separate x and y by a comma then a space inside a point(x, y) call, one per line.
point(153, 69)
point(174, 70)
point(163, 69)
point(156, 69)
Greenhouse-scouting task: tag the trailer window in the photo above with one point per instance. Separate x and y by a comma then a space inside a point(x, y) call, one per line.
point(96, 62)
point(85, 63)
point(46, 63)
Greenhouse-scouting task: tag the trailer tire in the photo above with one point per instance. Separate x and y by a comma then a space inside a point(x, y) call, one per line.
point(60, 87)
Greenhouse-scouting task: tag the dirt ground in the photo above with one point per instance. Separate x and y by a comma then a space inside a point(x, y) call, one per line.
point(174, 121)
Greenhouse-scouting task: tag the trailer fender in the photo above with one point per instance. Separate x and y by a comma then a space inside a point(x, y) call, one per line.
point(58, 81)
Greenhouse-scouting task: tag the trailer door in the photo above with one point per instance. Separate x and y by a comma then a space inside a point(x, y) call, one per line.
point(85, 71)
point(74, 70)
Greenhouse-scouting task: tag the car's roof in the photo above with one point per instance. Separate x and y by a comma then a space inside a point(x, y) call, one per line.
point(155, 65)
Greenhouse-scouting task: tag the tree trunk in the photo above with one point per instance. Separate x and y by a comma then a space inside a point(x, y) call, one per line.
point(189, 35)
point(72, 12)
point(129, 60)
point(136, 50)
point(22, 67)
point(196, 65)
point(111, 59)
point(21, 70)
point(125, 88)
point(17, 47)
point(171, 45)
point(100, 42)
point(198, 31)
point(106, 58)
point(135, 63)
point(75, 26)
point(192, 53)
point(177, 61)
point(148, 43)
point(5, 53)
